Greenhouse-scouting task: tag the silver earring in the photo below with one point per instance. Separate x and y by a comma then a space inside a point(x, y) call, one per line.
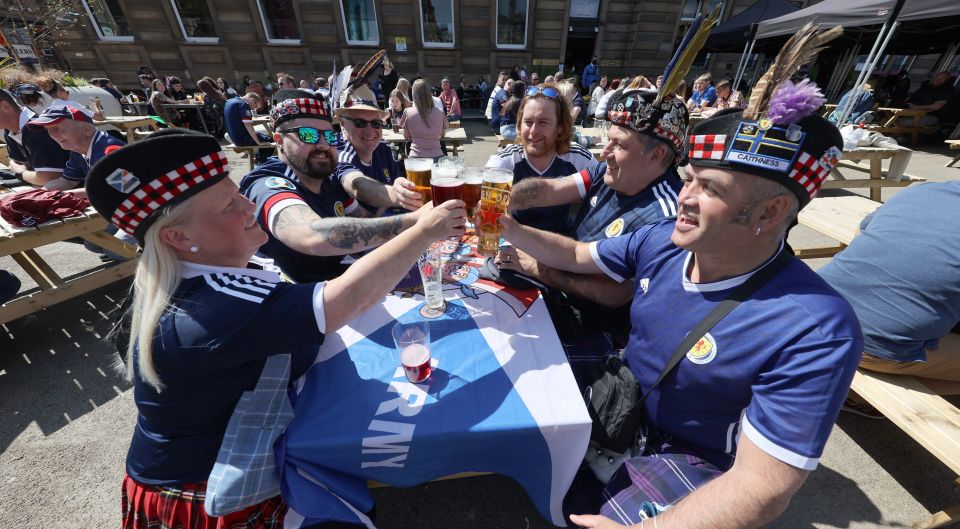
point(757, 234)
point(194, 249)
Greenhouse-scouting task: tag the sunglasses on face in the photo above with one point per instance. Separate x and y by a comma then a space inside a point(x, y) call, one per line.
point(362, 123)
point(311, 135)
point(549, 91)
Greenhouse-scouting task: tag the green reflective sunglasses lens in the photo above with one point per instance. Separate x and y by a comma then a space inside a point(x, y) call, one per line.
point(330, 136)
point(309, 135)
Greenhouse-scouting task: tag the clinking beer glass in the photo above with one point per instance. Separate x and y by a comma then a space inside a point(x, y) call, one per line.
point(494, 201)
point(418, 172)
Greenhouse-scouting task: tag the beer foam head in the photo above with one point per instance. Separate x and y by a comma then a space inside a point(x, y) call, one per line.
point(498, 176)
point(418, 164)
point(445, 172)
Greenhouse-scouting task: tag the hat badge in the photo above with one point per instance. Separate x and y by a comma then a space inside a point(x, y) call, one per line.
point(794, 132)
point(123, 181)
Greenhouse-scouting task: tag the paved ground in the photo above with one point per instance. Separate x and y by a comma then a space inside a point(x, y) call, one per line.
point(66, 416)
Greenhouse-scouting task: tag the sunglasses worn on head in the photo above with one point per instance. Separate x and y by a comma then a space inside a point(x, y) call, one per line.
point(362, 123)
point(311, 135)
point(549, 91)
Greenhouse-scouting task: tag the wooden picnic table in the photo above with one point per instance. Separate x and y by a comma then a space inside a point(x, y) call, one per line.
point(187, 105)
point(954, 145)
point(129, 124)
point(878, 177)
point(454, 137)
point(892, 126)
point(21, 244)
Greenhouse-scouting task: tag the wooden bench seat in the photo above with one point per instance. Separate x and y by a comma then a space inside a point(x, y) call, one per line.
point(923, 415)
point(836, 217)
point(250, 151)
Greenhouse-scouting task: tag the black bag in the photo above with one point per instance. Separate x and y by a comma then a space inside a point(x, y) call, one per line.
point(611, 392)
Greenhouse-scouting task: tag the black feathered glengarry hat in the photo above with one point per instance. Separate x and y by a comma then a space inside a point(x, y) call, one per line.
point(638, 110)
point(798, 155)
point(778, 136)
point(131, 185)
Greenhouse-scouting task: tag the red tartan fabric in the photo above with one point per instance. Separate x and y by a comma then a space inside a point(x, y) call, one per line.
point(147, 507)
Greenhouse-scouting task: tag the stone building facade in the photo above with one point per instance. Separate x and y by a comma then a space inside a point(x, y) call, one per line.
point(432, 38)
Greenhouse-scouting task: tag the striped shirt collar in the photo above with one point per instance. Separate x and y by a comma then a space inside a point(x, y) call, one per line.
point(190, 270)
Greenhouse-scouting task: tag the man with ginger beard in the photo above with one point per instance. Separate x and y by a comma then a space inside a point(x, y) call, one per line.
point(312, 222)
point(544, 129)
point(635, 184)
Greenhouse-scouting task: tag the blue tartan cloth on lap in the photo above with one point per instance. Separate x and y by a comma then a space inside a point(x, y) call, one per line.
point(644, 486)
point(651, 483)
point(246, 471)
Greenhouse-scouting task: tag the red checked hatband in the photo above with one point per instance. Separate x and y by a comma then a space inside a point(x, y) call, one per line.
point(707, 146)
point(160, 191)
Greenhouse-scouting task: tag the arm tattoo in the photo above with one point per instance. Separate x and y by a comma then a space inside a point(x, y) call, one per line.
point(358, 234)
point(526, 193)
point(292, 216)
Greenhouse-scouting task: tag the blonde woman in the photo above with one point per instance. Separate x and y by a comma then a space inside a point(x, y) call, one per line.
point(203, 325)
point(423, 124)
point(568, 91)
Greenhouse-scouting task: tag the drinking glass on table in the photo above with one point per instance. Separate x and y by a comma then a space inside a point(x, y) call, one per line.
point(494, 201)
point(431, 274)
point(419, 172)
point(413, 343)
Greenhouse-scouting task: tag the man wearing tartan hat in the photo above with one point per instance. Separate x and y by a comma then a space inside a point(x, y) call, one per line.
point(736, 426)
point(311, 221)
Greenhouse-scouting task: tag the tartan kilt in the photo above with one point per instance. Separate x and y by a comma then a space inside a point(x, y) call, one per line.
point(181, 507)
point(648, 484)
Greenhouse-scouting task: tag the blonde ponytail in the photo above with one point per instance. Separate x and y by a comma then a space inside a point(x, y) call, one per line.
point(158, 275)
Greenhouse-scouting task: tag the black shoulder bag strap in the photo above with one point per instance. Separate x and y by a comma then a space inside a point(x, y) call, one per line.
point(739, 294)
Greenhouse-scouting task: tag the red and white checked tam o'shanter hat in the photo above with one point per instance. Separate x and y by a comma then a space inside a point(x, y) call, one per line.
point(132, 185)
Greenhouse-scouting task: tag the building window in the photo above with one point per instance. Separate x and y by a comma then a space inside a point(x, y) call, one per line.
point(108, 19)
point(693, 7)
point(195, 20)
point(360, 21)
point(511, 23)
point(436, 23)
point(279, 21)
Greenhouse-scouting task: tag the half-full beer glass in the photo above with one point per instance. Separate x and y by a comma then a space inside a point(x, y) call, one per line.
point(418, 172)
point(494, 200)
point(472, 180)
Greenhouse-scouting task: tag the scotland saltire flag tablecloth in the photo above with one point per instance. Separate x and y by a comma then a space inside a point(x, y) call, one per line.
point(501, 399)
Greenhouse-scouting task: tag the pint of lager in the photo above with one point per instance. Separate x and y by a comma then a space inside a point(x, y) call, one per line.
point(472, 180)
point(494, 200)
point(418, 172)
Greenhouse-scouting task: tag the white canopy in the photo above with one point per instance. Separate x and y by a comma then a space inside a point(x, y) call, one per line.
point(853, 13)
